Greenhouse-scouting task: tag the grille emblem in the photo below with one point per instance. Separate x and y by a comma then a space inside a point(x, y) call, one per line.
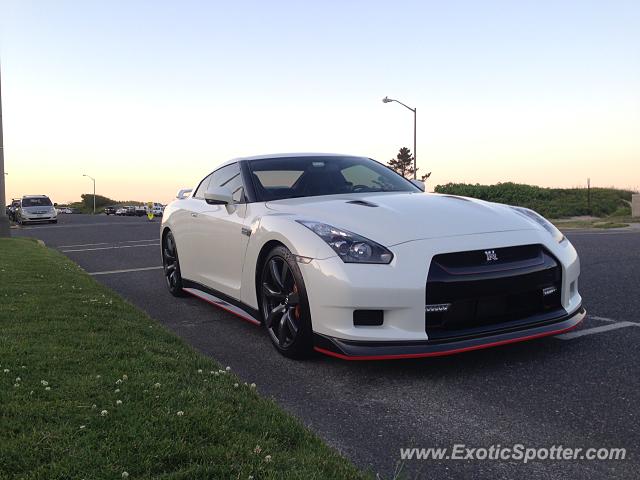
point(491, 255)
point(437, 307)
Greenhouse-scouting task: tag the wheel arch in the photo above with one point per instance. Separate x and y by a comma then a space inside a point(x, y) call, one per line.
point(264, 251)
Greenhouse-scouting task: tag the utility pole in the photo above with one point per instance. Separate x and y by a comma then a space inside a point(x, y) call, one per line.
point(589, 195)
point(4, 220)
point(415, 130)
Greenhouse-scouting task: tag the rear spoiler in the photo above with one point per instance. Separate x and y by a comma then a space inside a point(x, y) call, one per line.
point(182, 193)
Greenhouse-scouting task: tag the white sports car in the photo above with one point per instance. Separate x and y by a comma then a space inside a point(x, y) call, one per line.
point(341, 255)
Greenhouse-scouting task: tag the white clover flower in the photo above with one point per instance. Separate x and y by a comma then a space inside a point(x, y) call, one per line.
point(253, 385)
point(118, 402)
point(257, 450)
point(23, 366)
point(82, 427)
point(228, 369)
point(94, 406)
point(235, 385)
point(18, 379)
point(16, 384)
point(6, 370)
point(156, 385)
point(98, 376)
point(125, 475)
point(217, 374)
point(47, 388)
point(212, 372)
point(117, 390)
point(118, 382)
point(125, 377)
point(31, 392)
point(180, 413)
point(104, 413)
point(44, 383)
point(267, 458)
point(199, 370)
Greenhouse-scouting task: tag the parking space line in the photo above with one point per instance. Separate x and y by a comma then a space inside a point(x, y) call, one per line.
point(106, 243)
point(83, 245)
point(129, 270)
point(591, 331)
point(109, 248)
point(602, 319)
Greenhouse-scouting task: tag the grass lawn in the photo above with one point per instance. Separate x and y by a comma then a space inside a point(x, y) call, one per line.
point(605, 223)
point(91, 387)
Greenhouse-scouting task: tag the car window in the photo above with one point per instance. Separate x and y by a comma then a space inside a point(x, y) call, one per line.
point(203, 186)
point(309, 176)
point(36, 202)
point(229, 177)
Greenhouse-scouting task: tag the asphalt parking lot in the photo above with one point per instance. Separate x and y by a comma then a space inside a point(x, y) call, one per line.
point(581, 389)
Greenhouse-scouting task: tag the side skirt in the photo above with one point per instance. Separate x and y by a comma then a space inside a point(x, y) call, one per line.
point(220, 300)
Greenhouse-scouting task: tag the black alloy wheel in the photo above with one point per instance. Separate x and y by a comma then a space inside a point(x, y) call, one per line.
point(284, 304)
point(171, 265)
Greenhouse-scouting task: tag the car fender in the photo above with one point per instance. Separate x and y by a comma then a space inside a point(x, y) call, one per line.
point(284, 229)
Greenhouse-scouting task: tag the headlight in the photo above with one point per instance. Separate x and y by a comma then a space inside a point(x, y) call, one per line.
point(351, 248)
point(543, 222)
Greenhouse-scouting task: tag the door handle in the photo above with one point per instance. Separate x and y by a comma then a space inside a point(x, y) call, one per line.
point(193, 214)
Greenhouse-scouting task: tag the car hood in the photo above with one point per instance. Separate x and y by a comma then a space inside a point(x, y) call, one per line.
point(392, 218)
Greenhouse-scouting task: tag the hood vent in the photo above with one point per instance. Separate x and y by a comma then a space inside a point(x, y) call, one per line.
point(363, 203)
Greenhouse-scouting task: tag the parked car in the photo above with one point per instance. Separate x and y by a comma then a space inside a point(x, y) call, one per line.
point(121, 211)
point(140, 210)
point(157, 209)
point(65, 210)
point(36, 209)
point(129, 210)
point(12, 209)
point(110, 210)
point(341, 255)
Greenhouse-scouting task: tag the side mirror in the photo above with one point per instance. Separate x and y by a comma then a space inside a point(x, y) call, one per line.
point(419, 183)
point(182, 193)
point(219, 196)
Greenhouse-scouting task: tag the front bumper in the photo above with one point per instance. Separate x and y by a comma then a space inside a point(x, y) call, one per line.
point(363, 350)
point(38, 219)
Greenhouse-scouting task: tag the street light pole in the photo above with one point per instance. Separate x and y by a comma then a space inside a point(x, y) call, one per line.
point(4, 220)
point(94, 191)
point(415, 123)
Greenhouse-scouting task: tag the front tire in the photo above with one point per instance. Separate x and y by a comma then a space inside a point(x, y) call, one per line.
point(284, 304)
point(171, 266)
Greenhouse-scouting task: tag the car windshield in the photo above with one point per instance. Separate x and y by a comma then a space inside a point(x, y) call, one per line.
point(292, 177)
point(36, 202)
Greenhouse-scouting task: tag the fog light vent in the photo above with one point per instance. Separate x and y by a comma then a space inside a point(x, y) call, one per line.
point(368, 318)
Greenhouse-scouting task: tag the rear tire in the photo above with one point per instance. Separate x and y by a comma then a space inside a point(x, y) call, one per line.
point(171, 265)
point(284, 305)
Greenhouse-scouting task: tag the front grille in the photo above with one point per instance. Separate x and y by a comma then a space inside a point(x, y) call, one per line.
point(471, 293)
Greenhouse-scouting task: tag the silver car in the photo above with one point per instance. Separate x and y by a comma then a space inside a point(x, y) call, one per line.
point(36, 208)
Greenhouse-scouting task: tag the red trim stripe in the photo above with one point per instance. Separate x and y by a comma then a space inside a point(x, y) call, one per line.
point(444, 352)
point(246, 319)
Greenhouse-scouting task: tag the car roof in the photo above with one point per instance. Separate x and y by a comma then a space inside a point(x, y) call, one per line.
point(35, 196)
point(288, 155)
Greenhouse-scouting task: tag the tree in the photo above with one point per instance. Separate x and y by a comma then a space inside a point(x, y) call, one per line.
point(403, 164)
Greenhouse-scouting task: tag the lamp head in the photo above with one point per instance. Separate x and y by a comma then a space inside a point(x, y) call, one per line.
point(386, 100)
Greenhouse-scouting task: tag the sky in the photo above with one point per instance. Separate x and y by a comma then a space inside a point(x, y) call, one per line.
point(148, 97)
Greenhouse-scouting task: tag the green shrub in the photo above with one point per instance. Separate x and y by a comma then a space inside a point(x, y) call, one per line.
point(550, 202)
